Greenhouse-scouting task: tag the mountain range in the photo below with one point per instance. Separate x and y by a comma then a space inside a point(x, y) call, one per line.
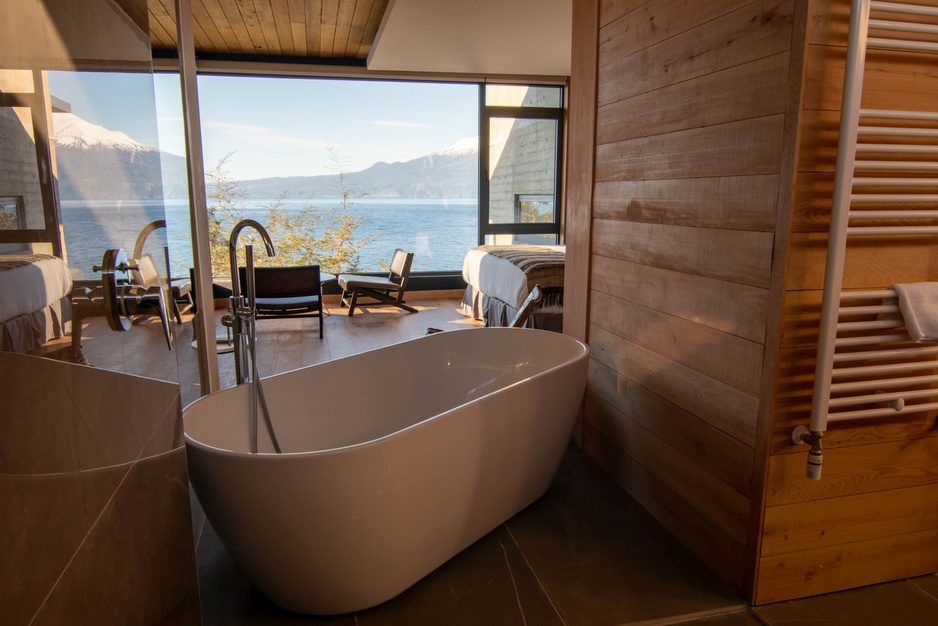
point(95, 163)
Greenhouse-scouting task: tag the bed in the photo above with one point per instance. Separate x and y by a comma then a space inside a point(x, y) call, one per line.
point(34, 304)
point(499, 279)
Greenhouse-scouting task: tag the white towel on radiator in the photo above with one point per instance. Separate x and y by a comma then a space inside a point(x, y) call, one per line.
point(918, 303)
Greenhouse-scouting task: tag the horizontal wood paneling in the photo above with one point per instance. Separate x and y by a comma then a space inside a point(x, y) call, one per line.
point(726, 458)
point(873, 263)
point(733, 255)
point(724, 407)
point(692, 136)
point(732, 94)
point(727, 358)
point(801, 318)
point(823, 523)
point(712, 46)
point(611, 10)
point(653, 22)
point(717, 502)
point(728, 307)
point(847, 565)
point(738, 148)
point(854, 470)
point(891, 80)
point(708, 541)
point(794, 413)
point(731, 202)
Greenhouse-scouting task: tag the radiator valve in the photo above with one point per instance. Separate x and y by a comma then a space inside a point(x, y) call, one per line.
point(801, 435)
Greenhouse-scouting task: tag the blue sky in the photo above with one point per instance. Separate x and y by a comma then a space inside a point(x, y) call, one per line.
point(280, 126)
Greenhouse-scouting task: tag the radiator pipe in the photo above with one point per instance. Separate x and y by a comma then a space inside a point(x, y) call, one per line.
point(802, 435)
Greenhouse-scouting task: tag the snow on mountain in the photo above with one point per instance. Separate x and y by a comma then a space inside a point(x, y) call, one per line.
point(466, 145)
point(74, 132)
point(95, 163)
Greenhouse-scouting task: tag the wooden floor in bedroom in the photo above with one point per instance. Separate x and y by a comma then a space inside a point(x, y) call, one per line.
point(283, 344)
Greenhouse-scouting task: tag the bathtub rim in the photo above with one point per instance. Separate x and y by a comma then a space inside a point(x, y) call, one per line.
point(584, 352)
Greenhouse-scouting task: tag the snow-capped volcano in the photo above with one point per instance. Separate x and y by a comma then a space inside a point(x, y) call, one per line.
point(96, 163)
point(74, 132)
point(466, 145)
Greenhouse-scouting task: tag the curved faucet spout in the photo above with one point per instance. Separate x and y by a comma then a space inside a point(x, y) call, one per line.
point(233, 250)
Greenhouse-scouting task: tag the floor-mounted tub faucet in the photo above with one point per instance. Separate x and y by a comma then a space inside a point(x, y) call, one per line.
point(241, 307)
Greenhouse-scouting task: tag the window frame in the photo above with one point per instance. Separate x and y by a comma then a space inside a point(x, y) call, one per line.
point(486, 114)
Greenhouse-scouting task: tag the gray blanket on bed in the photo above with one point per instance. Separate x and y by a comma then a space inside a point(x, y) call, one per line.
point(542, 266)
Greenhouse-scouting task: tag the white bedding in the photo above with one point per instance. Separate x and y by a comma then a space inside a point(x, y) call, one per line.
point(32, 287)
point(496, 277)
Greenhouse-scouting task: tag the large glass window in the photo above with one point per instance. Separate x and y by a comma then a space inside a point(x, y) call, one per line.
point(341, 172)
point(520, 191)
point(109, 165)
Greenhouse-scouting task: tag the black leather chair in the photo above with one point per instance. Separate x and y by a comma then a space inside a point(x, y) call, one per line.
point(286, 291)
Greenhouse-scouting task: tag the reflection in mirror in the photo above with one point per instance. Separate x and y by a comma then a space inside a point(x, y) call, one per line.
point(92, 461)
point(81, 174)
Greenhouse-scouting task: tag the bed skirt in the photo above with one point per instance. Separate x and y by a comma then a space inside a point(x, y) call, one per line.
point(495, 312)
point(25, 333)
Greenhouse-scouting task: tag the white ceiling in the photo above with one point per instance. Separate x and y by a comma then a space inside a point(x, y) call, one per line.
point(528, 37)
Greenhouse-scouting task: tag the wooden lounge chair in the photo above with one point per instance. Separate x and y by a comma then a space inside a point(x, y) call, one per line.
point(388, 290)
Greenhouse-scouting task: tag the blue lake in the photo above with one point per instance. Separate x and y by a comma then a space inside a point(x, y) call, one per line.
point(438, 232)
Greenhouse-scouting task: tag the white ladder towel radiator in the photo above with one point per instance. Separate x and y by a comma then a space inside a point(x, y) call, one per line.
point(866, 362)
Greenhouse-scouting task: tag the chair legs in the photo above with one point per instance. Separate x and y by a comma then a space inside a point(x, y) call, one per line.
point(383, 297)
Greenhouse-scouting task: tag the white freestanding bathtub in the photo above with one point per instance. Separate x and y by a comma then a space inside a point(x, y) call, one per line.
point(393, 460)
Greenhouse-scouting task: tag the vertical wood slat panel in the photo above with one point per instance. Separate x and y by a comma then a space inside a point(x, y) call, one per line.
point(202, 19)
point(314, 44)
point(372, 24)
point(297, 15)
point(223, 25)
point(343, 23)
point(581, 146)
point(263, 16)
point(327, 25)
point(232, 13)
point(280, 11)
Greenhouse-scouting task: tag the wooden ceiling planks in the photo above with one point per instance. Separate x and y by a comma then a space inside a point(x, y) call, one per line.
point(340, 29)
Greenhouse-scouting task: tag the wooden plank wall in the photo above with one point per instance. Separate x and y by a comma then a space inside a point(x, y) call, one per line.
point(693, 134)
point(874, 515)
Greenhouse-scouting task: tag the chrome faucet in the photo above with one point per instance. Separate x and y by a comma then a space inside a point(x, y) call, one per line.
point(241, 313)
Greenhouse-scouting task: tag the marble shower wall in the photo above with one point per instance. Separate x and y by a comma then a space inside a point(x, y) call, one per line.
point(94, 498)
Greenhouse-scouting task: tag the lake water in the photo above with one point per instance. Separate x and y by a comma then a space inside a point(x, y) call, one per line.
point(438, 232)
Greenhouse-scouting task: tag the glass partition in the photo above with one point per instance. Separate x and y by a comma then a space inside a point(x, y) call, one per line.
point(81, 172)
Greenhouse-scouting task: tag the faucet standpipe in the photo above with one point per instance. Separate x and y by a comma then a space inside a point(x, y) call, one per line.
point(239, 310)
